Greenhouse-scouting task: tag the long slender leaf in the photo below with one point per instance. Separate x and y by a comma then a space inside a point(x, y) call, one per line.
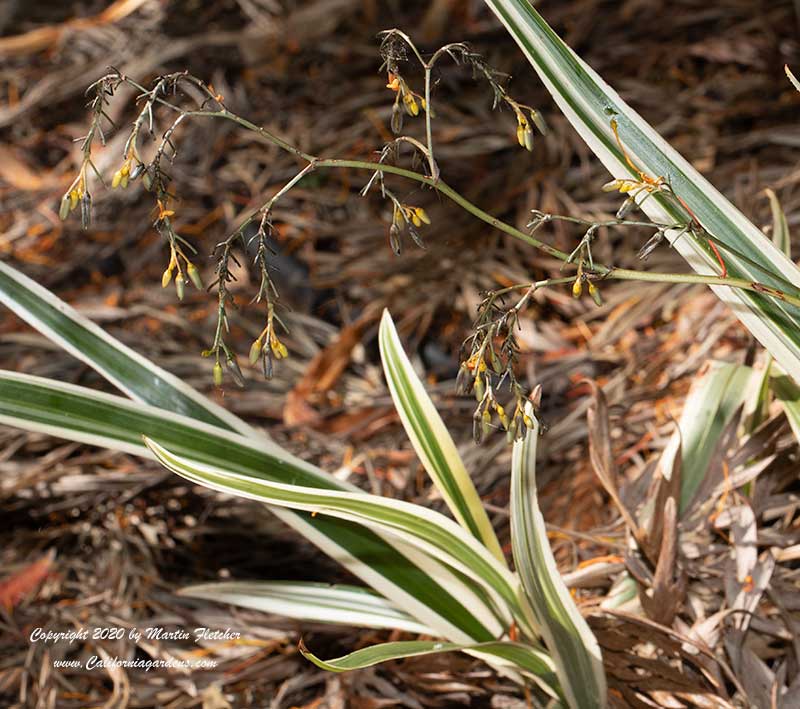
point(127, 370)
point(431, 440)
point(535, 663)
point(431, 531)
point(788, 394)
point(590, 105)
point(714, 398)
point(574, 648)
point(418, 584)
point(780, 227)
point(318, 602)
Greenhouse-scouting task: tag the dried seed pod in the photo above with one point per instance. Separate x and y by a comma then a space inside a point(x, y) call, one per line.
point(497, 365)
point(626, 208)
point(234, 369)
point(477, 428)
point(652, 243)
point(397, 119)
point(138, 169)
point(394, 239)
point(416, 237)
point(539, 122)
point(86, 210)
point(267, 365)
point(463, 380)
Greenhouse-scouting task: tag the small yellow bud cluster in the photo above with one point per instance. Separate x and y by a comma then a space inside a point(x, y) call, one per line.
point(410, 101)
point(131, 168)
point(276, 349)
point(514, 425)
point(406, 216)
point(577, 287)
point(524, 132)
point(77, 194)
point(231, 364)
point(525, 124)
point(191, 272)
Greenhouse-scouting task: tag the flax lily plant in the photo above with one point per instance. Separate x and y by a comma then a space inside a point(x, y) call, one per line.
point(432, 575)
point(714, 237)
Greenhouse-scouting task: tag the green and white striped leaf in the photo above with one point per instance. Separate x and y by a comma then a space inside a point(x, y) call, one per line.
point(131, 373)
point(791, 77)
point(309, 601)
point(534, 663)
point(431, 439)
point(590, 104)
point(420, 585)
point(428, 530)
point(574, 648)
point(780, 227)
point(713, 400)
point(788, 394)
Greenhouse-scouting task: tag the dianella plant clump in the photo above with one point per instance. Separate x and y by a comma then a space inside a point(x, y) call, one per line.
point(443, 578)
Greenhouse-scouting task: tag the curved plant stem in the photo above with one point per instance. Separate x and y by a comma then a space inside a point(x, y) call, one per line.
point(596, 272)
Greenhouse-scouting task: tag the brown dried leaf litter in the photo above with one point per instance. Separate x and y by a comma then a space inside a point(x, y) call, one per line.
point(721, 589)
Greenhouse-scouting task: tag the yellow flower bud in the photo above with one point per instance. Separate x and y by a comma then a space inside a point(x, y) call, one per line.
point(423, 215)
point(528, 138)
point(217, 374)
point(577, 287)
point(594, 291)
point(166, 277)
point(521, 134)
point(411, 105)
point(63, 210)
point(74, 196)
point(255, 350)
point(115, 180)
point(194, 276)
point(415, 220)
